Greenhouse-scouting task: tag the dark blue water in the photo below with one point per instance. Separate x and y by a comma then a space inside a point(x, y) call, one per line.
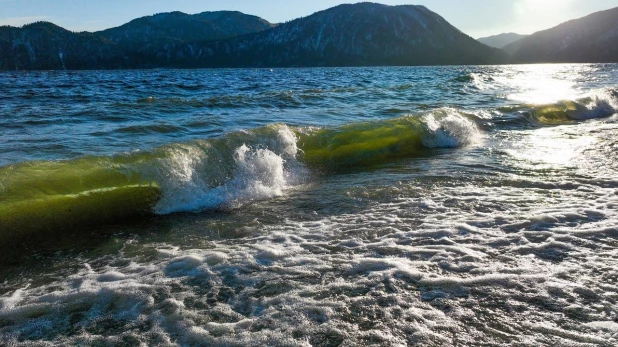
point(59, 115)
point(423, 206)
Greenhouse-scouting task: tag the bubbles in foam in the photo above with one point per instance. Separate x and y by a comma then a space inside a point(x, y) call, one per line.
point(438, 250)
point(448, 129)
point(600, 104)
point(180, 179)
point(259, 175)
point(288, 140)
point(258, 165)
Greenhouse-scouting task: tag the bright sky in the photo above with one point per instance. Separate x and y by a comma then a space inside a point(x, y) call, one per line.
point(476, 18)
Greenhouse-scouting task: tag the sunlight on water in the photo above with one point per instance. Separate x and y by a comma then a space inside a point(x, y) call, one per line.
point(549, 148)
point(430, 206)
point(543, 84)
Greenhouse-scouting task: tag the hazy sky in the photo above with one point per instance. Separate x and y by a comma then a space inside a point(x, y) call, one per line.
point(474, 17)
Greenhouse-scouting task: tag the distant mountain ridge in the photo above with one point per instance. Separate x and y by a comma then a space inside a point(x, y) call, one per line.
point(346, 35)
point(500, 40)
point(590, 39)
point(363, 34)
point(176, 27)
point(46, 46)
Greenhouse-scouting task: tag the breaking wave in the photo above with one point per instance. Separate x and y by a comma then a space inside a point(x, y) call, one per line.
point(240, 167)
point(224, 172)
point(598, 105)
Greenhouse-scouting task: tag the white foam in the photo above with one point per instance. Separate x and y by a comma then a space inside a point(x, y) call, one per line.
point(214, 258)
point(492, 279)
point(185, 266)
point(448, 129)
point(575, 336)
point(11, 301)
point(601, 104)
point(431, 266)
point(111, 276)
point(257, 174)
point(604, 325)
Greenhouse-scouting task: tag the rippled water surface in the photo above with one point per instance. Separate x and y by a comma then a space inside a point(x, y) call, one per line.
point(425, 206)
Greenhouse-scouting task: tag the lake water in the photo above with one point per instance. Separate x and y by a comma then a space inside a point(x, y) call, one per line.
point(401, 206)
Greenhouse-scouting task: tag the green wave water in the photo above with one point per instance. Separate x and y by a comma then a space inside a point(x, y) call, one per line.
point(240, 167)
point(38, 197)
point(424, 206)
point(566, 111)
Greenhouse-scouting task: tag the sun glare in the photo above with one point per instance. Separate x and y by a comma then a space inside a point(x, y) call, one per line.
point(549, 148)
point(542, 84)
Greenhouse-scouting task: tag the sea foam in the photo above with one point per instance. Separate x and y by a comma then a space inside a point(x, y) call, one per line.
point(448, 129)
point(261, 170)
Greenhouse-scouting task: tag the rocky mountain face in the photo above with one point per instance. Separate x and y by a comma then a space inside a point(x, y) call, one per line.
point(346, 35)
point(501, 40)
point(591, 39)
point(45, 46)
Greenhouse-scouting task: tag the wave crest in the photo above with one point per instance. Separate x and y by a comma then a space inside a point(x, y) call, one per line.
point(449, 129)
point(229, 175)
point(375, 142)
point(600, 104)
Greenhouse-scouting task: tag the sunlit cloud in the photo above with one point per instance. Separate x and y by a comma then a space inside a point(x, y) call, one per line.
point(19, 21)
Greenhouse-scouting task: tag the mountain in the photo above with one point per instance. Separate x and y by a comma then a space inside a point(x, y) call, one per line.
point(43, 46)
point(162, 29)
point(591, 39)
point(346, 35)
point(501, 40)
